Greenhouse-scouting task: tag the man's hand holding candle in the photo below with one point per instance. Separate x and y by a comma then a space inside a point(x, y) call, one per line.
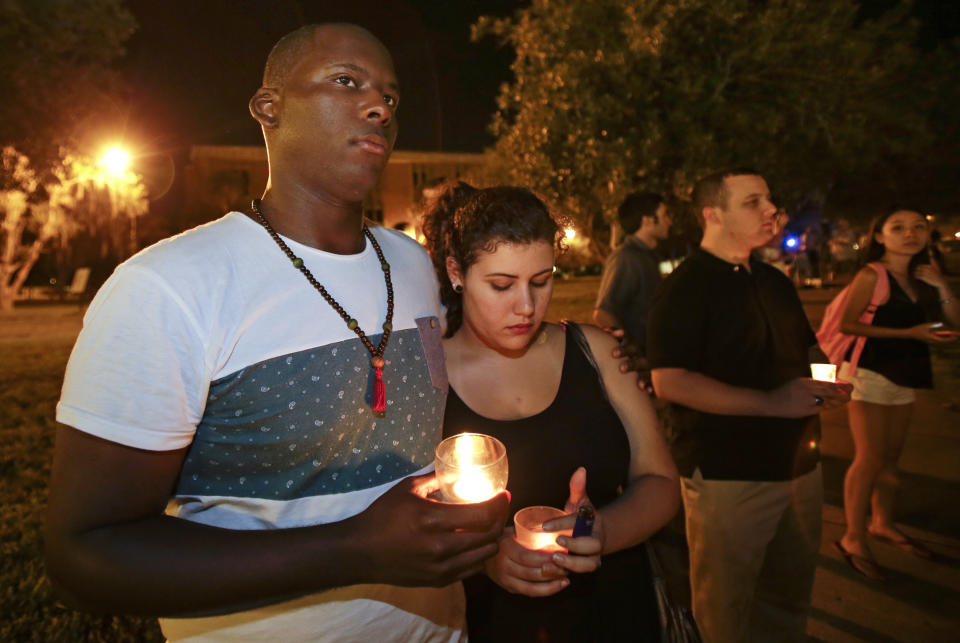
point(408, 539)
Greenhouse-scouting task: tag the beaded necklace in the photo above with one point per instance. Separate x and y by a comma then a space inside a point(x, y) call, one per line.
point(376, 352)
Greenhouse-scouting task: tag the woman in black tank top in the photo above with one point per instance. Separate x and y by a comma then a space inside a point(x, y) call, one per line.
point(896, 354)
point(577, 431)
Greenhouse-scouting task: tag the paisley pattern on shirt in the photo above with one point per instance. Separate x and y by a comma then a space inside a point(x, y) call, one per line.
point(300, 425)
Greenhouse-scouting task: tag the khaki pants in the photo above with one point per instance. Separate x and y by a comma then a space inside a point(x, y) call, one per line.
point(753, 552)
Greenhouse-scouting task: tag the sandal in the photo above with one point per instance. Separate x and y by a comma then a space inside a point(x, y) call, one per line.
point(861, 564)
point(908, 545)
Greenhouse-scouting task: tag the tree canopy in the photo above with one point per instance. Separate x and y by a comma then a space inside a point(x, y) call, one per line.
point(78, 196)
point(56, 76)
point(611, 96)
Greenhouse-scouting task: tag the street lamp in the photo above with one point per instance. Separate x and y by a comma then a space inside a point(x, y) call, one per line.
point(115, 161)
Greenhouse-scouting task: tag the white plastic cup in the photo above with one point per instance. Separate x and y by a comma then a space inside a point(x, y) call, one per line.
point(528, 523)
point(824, 372)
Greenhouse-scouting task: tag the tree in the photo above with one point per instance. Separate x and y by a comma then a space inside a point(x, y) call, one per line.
point(55, 74)
point(62, 94)
point(35, 215)
point(612, 96)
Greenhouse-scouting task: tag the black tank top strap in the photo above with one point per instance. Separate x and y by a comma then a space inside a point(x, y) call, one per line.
point(577, 340)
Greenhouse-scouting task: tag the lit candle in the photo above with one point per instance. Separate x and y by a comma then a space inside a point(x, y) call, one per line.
point(541, 540)
point(528, 524)
point(471, 467)
point(824, 372)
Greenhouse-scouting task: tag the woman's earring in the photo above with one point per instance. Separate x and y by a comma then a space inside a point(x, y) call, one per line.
point(457, 288)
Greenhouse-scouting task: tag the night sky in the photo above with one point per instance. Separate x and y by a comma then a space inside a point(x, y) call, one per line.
point(192, 66)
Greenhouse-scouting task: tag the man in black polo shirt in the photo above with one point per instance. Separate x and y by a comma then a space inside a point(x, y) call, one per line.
point(730, 348)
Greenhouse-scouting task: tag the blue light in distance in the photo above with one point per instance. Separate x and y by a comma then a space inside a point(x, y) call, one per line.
point(791, 242)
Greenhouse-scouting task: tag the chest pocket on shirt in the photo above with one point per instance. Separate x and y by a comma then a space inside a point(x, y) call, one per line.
point(430, 337)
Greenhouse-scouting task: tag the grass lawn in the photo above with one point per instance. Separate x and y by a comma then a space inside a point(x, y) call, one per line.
point(573, 299)
point(35, 342)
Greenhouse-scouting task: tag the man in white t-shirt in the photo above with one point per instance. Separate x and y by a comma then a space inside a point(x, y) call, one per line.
point(248, 418)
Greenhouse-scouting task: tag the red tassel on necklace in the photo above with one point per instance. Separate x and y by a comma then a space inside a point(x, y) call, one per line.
point(379, 390)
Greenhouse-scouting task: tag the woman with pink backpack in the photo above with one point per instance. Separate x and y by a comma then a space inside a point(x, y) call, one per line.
point(895, 360)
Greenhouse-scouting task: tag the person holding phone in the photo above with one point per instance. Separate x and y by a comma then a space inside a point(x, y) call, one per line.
point(577, 430)
point(895, 361)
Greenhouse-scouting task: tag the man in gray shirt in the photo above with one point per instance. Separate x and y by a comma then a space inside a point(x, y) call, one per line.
point(631, 273)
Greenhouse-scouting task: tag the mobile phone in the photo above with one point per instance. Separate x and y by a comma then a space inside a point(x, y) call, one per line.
point(584, 524)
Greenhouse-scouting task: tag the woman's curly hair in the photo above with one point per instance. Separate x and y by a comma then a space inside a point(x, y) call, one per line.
point(463, 221)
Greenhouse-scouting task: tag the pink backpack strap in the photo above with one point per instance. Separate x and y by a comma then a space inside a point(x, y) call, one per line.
point(881, 290)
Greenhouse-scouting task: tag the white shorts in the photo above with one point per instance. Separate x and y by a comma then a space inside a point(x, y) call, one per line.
point(870, 386)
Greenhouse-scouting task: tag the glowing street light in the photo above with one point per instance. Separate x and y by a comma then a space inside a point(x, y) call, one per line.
point(115, 160)
point(115, 163)
point(570, 234)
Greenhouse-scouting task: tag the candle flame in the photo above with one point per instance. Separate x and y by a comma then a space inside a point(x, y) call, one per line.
point(473, 486)
point(463, 451)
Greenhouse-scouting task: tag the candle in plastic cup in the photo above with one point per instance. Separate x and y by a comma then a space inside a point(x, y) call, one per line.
point(471, 467)
point(528, 523)
point(824, 372)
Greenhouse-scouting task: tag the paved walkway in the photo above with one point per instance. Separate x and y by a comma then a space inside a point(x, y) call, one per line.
point(921, 600)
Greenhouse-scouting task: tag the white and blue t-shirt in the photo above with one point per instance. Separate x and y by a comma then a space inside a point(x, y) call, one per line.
point(213, 340)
